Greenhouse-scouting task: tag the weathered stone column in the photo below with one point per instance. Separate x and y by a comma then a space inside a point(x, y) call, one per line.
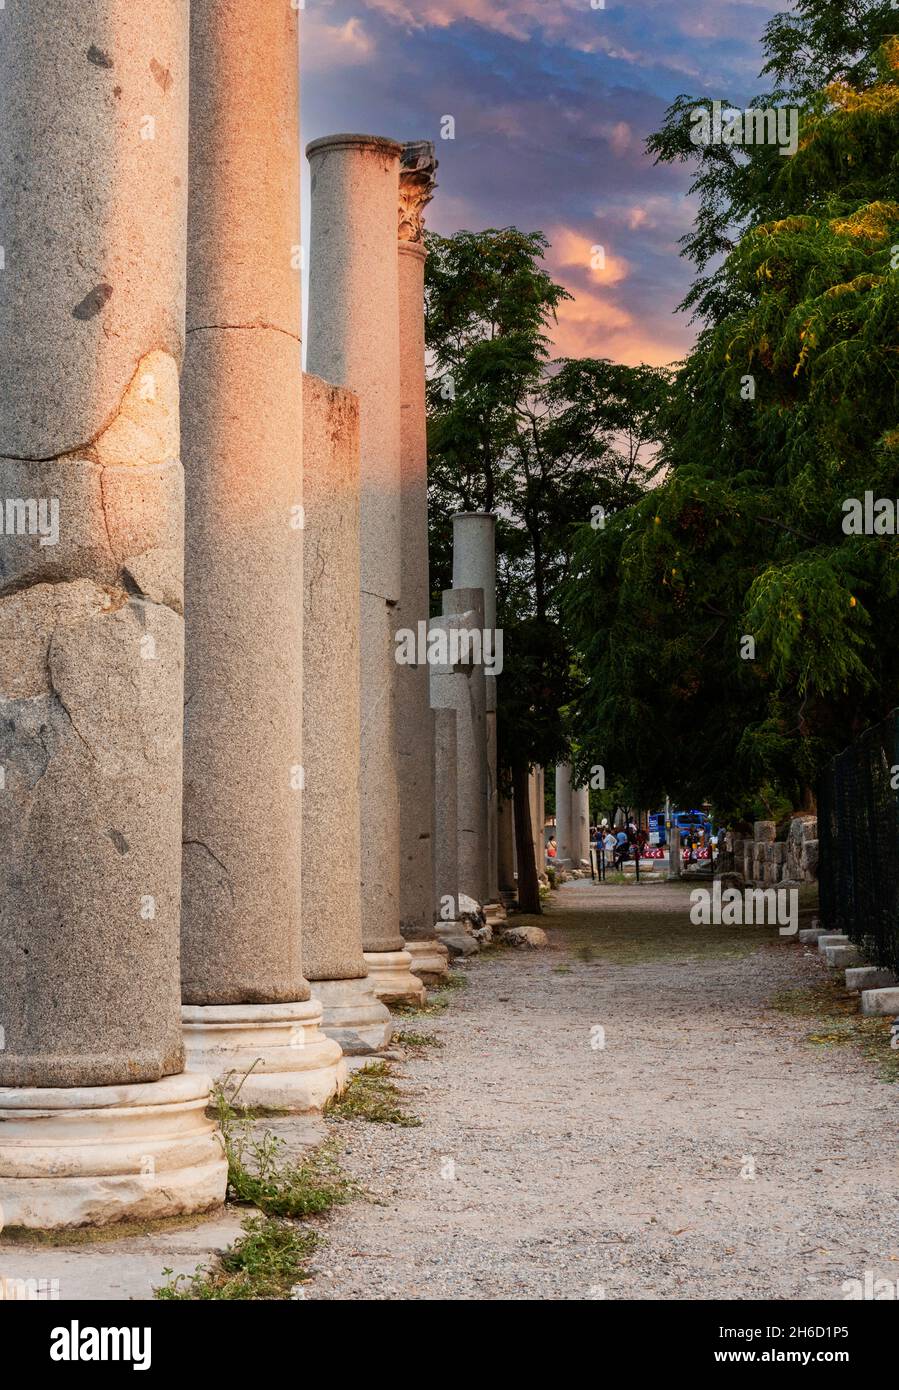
point(332, 902)
point(98, 1121)
point(580, 825)
point(564, 837)
point(474, 566)
point(414, 722)
point(538, 817)
point(446, 818)
point(506, 845)
point(246, 1001)
point(467, 605)
point(354, 342)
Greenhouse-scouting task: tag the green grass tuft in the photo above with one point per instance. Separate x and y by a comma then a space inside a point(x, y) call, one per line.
point(371, 1095)
point(267, 1262)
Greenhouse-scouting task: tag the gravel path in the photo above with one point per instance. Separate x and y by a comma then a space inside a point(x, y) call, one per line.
point(549, 1167)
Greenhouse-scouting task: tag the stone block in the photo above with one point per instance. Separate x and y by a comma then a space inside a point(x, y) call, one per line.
point(880, 1002)
point(869, 977)
point(764, 831)
point(839, 957)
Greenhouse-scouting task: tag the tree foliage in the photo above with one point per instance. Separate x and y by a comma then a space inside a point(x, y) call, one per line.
point(787, 406)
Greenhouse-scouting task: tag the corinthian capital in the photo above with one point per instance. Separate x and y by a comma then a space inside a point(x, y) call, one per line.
point(418, 169)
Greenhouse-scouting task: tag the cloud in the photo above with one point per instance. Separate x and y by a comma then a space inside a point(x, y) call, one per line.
point(330, 46)
point(571, 250)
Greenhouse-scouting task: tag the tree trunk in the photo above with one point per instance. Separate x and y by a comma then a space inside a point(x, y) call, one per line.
point(528, 883)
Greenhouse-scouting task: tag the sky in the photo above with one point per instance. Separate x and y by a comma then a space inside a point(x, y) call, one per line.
point(552, 101)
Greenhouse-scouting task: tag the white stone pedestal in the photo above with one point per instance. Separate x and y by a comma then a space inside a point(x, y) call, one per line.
point(353, 1015)
point(392, 979)
point(294, 1065)
point(430, 960)
point(93, 1155)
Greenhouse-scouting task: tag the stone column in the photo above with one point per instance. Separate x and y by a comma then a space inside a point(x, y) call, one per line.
point(474, 566)
point(414, 723)
point(538, 817)
point(564, 822)
point(450, 927)
point(354, 342)
point(247, 1003)
point(506, 846)
point(580, 825)
point(466, 606)
point(98, 1121)
point(332, 902)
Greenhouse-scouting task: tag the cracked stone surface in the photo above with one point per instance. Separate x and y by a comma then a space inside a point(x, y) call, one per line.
point(242, 443)
point(91, 632)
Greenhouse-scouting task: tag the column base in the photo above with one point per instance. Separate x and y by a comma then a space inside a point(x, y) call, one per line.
point(430, 960)
point(353, 1015)
point(294, 1066)
point(94, 1155)
point(392, 979)
point(495, 913)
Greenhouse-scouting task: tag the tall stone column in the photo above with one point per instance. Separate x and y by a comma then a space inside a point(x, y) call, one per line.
point(354, 342)
point(332, 901)
point(538, 817)
point(506, 845)
point(466, 606)
point(564, 822)
point(247, 1003)
point(446, 816)
point(414, 722)
point(98, 1121)
point(580, 825)
point(474, 566)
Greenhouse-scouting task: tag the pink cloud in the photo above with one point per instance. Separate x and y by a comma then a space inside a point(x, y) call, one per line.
point(328, 46)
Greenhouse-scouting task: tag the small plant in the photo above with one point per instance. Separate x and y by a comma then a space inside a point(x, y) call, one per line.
point(371, 1095)
point(408, 1037)
point(267, 1262)
point(258, 1172)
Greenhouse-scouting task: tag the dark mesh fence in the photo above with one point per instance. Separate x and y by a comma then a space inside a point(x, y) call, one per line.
point(858, 843)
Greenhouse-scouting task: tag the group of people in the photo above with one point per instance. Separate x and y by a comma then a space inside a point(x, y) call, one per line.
point(627, 842)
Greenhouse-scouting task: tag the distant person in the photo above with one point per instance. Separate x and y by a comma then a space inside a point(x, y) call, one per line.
point(621, 848)
point(552, 848)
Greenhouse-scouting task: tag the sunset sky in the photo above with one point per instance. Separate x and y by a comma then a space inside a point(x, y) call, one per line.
point(552, 101)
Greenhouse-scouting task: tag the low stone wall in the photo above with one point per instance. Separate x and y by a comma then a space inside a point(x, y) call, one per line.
point(765, 860)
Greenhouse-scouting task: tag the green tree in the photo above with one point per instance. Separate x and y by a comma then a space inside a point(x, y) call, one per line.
point(787, 406)
point(544, 445)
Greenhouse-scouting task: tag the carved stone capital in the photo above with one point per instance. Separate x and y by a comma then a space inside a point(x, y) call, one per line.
point(418, 170)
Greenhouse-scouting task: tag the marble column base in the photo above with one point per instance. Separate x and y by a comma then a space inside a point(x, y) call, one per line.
point(296, 1067)
point(392, 979)
point(93, 1155)
point(353, 1015)
point(495, 913)
point(430, 960)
